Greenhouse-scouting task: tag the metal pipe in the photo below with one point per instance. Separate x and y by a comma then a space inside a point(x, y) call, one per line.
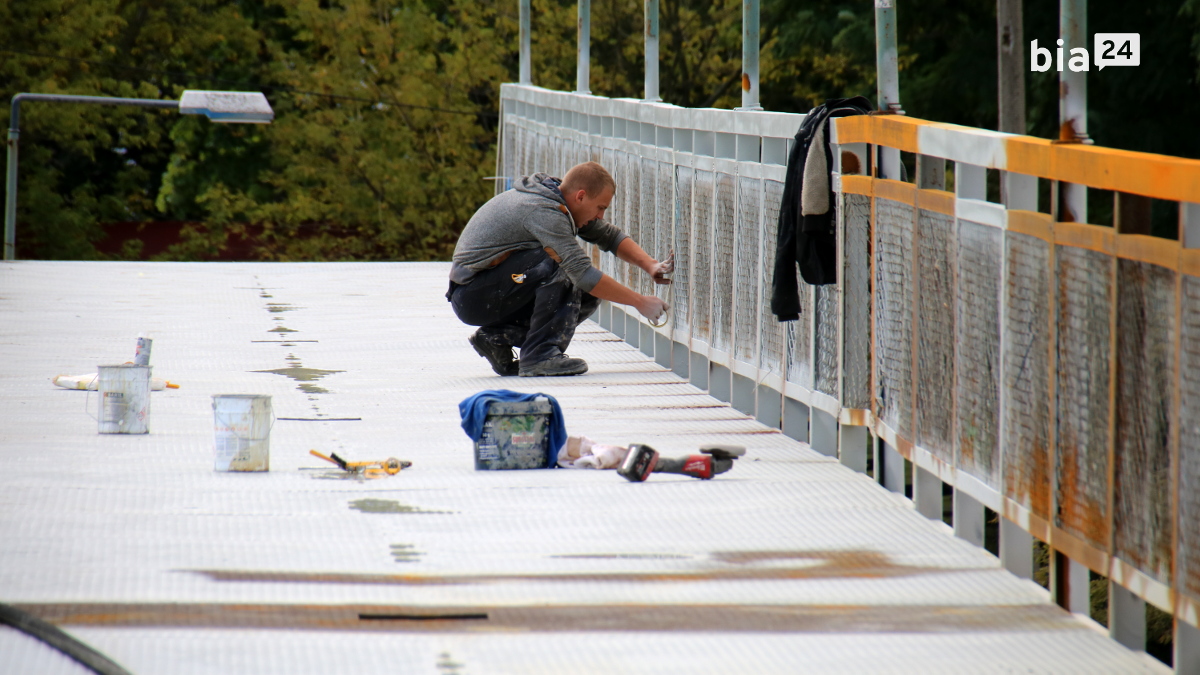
point(14, 135)
point(1010, 52)
point(1072, 94)
point(525, 75)
point(1072, 100)
point(583, 66)
point(651, 88)
point(887, 75)
point(887, 79)
point(750, 48)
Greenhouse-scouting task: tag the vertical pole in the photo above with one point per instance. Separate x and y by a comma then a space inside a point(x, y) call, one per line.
point(583, 65)
point(1072, 101)
point(651, 88)
point(10, 195)
point(887, 75)
point(526, 76)
point(1010, 51)
point(887, 79)
point(750, 48)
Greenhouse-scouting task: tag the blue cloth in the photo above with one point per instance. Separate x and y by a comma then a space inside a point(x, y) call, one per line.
point(474, 409)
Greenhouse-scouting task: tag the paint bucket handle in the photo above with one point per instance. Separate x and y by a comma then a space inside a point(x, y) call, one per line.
point(87, 397)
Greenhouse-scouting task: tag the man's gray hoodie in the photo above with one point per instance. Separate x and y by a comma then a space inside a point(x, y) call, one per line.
point(531, 215)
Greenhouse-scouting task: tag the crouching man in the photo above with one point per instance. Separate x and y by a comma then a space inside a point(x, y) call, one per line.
point(520, 274)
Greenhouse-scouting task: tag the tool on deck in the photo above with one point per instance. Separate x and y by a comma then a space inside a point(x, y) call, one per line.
point(644, 460)
point(390, 466)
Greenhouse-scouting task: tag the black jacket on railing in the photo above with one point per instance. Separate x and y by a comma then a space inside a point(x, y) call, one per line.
point(809, 241)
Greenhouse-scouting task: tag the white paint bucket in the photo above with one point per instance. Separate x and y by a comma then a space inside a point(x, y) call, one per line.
point(124, 399)
point(242, 432)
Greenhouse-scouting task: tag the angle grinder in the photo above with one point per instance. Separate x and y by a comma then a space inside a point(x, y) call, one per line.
point(644, 460)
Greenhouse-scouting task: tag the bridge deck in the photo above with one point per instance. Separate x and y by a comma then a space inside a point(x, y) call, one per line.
point(134, 545)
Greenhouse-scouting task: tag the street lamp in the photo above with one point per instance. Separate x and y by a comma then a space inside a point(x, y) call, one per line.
point(218, 106)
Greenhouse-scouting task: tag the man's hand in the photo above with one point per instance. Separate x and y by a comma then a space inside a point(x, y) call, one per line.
point(659, 271)
point(651, 307)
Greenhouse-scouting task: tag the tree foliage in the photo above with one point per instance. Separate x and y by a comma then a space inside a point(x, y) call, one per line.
point(386, 109)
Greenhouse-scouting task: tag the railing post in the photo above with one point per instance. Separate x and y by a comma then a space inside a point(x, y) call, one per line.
point(1070, 584)
point(927, 493)
point(750, 48)
point(852, 447)
point(651, 85)
point(1016, 549)
point(968, 518)
point(583, 66)
point(892, 476)
point(1126, 617)
point(525, 74)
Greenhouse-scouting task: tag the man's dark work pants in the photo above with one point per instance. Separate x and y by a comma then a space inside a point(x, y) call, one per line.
point(526, 301)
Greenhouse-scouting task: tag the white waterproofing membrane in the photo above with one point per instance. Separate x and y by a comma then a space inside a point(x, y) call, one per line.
point(136, 546)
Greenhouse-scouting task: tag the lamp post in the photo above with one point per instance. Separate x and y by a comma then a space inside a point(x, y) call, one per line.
point(218, 106)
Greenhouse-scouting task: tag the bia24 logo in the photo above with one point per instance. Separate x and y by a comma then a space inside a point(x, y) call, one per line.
point(1109, 49)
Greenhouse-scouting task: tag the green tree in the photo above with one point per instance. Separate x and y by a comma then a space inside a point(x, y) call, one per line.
point(83, 165)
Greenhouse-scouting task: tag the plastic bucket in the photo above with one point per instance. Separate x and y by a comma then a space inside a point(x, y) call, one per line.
point(242, 432)
point(124, 399)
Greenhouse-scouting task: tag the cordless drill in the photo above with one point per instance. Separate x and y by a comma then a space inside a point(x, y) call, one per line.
point(644, 460)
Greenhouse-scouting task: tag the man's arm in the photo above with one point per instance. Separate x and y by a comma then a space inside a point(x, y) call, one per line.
point(610, 289)
point(629, 251)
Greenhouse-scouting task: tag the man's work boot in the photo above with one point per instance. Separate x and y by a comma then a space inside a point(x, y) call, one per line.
point(500, 356)
point(559, 364)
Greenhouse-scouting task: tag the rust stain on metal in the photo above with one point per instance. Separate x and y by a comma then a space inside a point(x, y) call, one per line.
point(731, 566)
point(1033, 485)
point(1076, 512)
point(745, 82)
point(542, 618)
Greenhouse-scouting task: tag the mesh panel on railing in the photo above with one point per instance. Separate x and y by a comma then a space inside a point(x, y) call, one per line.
point(1188, 520)
point(1082, 382)
point(684, 269)
point(977, 378)
point(893, 314)
point(724, 225)
point(649, 226)
point(825, 365)
point(1026, 389)
point(856, 291)
point(746, 272)
point(528, 152)
point(630, 186)
point(1142, 528)
point(508, 154)
point(607, 158)
point(798, 336)
point(771, 331)
point(702, 281)
point(935, 348)
point(544, 155)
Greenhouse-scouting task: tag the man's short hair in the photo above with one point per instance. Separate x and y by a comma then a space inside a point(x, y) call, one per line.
point(589, 177)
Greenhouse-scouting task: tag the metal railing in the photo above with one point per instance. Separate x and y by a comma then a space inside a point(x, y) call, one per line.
point(1048, 371)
